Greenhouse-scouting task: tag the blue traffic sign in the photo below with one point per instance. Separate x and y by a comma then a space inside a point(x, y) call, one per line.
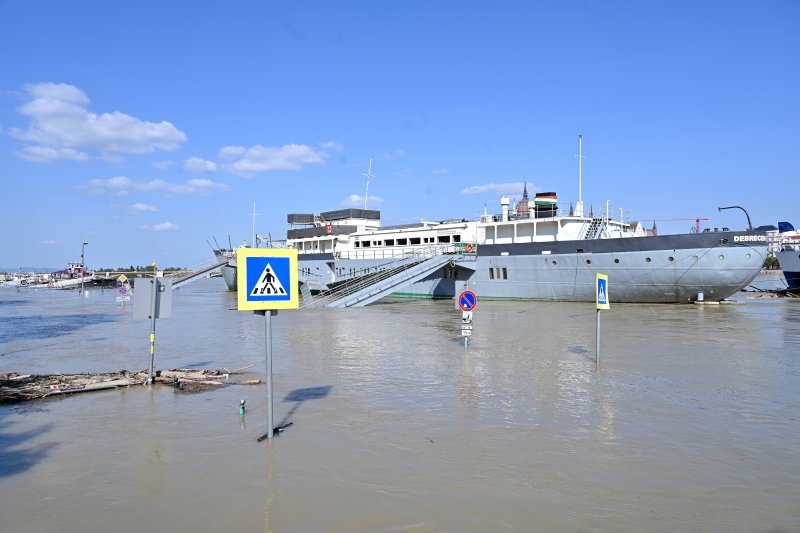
point(601, 292)
point(267, 278)
point(467, 301)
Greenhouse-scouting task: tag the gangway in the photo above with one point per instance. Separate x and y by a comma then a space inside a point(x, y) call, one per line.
point(363, 290)
point(182, 277)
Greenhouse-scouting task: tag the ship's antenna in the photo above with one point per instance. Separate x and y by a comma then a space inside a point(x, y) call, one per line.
point(369, 176)
point(254, 215)
point(579, 205)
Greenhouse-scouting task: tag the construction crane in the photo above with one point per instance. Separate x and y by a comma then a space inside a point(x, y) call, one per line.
point(696, 221)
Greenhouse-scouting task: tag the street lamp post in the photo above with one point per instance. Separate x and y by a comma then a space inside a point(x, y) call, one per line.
point(83, 264)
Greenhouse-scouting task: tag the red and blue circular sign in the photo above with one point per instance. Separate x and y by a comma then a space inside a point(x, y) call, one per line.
point(467, 300)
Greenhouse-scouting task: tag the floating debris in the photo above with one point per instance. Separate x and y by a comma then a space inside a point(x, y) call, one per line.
point(16, 388)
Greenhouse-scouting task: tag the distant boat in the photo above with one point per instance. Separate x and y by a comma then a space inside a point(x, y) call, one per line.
point(69, 278)
point(789, 256)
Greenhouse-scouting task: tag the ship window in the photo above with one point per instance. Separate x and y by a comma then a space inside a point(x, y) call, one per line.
point(588, 261)
point(555, 262)
point(721, 256)
point(695, 258)
point(748, 256)
point(414, 240)
point(365, 244)
point(456, 238)
point(670, 259)
point(358, 244)
point(616, 260)
point(377, 243)
point(402, 242)
point(498, 273)
point(444, 238)
point(389, 242)
point(647, 259)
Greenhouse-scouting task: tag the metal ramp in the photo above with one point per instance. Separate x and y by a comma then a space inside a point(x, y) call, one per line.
point(182, 277)
point(363, 290)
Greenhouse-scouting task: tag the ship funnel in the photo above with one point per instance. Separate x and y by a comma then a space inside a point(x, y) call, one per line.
point(504, 203)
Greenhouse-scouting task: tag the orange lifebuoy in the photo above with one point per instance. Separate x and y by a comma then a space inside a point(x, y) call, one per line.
point(338, 255)
point(470, 248)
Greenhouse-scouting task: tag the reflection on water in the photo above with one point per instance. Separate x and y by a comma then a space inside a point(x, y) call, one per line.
point(689, 423)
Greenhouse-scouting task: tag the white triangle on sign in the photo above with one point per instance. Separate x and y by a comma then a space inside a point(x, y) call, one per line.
point(268, 284)
point(601, 294)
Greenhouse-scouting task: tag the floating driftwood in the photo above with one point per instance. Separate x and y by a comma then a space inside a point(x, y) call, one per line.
point(21, 387)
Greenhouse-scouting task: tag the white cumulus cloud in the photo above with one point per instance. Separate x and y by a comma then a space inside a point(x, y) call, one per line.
point(142, 208)
point(258, 159)
point(121, 185)
point(62, 127)
point(497, 188)
point(164, 226)
point(356, 200)
point(45, 154)
point(48, 242)
point(196, 164)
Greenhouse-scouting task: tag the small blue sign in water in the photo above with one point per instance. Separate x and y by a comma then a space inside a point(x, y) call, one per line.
point(467, 301)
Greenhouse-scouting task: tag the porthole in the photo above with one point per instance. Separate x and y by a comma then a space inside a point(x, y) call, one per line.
point(588, 261)
point(695, 258)
point(748, 256)
point(721, 257)
point(647, 259)
point(670, 259)
point(616, 260)
point(555, 263)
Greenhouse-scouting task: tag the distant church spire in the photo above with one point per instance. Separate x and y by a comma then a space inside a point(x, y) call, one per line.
point(525, 191)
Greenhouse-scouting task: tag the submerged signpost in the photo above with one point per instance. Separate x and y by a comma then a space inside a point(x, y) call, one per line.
point(466, 301)
point(602, 303)
point(153, 300)
point(266, 282)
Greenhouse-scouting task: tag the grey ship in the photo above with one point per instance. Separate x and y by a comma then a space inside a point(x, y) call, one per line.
point(530, 252)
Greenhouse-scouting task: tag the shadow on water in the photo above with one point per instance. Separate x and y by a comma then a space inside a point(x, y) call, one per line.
point(301, 395)
point(20, 328)
point(16, 453)
point(197, 364)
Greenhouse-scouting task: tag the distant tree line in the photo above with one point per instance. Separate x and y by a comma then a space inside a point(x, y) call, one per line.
point(148, 268)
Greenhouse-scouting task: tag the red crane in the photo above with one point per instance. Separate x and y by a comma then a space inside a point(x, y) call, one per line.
point(696, 221)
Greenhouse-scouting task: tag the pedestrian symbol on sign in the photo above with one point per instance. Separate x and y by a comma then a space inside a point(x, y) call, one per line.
point(268, 283)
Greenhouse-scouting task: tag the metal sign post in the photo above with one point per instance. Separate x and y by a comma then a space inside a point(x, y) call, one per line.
point(602, 303)
point(267, 280)
point(151, 303)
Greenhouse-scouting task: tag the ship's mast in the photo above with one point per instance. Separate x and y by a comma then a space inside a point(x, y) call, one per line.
point(579, 205)
point(254, 215)
point(369, 176)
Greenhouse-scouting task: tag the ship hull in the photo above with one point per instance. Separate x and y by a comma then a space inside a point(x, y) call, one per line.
point(665, 269)
point(790, 264)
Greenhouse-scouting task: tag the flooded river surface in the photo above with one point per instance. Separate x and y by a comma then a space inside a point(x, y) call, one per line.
point(691, 421)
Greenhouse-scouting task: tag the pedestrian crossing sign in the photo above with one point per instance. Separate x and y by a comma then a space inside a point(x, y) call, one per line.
point(602, 292)
point(266, 279)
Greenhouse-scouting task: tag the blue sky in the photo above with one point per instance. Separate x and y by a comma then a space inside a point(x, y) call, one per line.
point(146, 128)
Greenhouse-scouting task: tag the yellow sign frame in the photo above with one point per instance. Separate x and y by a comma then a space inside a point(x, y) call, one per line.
point(245, 304)
point(604, 303)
